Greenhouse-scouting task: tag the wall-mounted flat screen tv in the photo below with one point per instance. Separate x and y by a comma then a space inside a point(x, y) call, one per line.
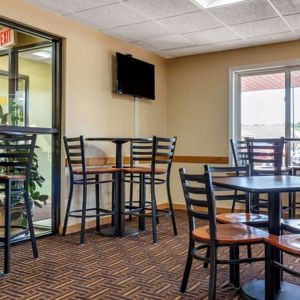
point(134, 77)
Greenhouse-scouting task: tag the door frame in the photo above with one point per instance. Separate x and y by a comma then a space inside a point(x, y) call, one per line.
point(55, 131)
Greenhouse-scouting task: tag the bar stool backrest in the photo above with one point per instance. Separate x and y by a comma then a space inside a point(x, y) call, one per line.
point(75, 154)
point(240, 152)
point(16, 153)
point(158, 152)
point(200, 200)
point(265, 155)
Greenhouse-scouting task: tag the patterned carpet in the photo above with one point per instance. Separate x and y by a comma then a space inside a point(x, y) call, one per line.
point(114, 268)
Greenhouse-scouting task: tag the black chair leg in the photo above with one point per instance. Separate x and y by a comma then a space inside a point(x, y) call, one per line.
point(83, 213)
point(142, 199)
point(249, 251)
point(68, 208)
point(154, 213)
point(113, 195)
point(234, 268)
point(171, 207)
point(30, 223)
point(187, 271)
point(130, 195)
point(97, 193)
point(213, 274)
point(6, 268)
point(207, 255)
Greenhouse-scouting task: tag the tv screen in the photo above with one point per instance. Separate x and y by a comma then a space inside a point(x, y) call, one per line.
point(135, 77)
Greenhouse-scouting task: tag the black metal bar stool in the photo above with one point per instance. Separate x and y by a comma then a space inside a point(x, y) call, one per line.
point(16, 153)
point(80, 174)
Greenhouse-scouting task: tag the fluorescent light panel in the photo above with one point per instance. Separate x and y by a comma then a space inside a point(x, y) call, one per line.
point(215, 3)
point(43, 54)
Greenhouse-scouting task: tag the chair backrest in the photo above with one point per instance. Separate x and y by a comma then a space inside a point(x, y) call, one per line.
point(75, 153)
point(16, 153)
point(200, 200)
point(240, 152)
point(223, 193)
point(265, 155)
point(158, 151)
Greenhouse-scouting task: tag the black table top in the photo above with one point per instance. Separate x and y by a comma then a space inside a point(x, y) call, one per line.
point(119, 139)
point(260, 184)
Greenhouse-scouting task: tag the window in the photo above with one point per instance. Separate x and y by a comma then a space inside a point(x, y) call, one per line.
point(266, 103)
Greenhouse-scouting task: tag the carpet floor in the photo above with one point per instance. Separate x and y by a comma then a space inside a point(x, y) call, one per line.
point(118, 268)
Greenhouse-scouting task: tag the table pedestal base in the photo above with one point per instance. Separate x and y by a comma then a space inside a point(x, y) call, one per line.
point(110, 231)
point(256, 290)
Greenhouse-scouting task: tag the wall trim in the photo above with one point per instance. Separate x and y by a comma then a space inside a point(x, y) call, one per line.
point(97, 161)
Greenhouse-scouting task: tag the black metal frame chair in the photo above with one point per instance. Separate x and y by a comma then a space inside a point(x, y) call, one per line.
point(158, 155)
point(80, 174)
point(201, 204)
point(16, 152)
point(288, 244)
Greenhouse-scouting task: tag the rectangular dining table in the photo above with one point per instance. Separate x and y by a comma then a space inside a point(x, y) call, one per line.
point(119, 229)
point(273, 186)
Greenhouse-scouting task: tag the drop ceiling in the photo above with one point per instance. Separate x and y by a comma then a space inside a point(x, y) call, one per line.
point(173, 28)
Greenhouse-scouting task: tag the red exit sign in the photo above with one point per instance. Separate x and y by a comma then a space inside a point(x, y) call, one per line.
point(7, 37)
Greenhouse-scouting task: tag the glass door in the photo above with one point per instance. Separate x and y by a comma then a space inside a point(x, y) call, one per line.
point(30, 103)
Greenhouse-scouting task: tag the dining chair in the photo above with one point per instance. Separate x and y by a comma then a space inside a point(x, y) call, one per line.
point(265, 156)
point(221, 194)
point(151, 163)
point(16, 152)
point(201, 205)
point(82, 175)
point(288, 244)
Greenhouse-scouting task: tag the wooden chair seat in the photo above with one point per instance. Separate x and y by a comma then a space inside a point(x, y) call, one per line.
point(234, 233)
point(291, 225)
point(96, 170)
point(245, 218)
point(144, 170)
point(287, 243)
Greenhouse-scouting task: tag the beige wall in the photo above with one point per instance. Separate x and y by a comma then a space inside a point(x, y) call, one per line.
point(198, 98)
point(90, 108)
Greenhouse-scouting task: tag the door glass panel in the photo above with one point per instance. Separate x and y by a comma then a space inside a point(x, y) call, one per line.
point(295, 117)
point(36, 65)
point(262, 105)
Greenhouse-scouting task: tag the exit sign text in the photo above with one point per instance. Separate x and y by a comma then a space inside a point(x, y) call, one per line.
point(7, 37)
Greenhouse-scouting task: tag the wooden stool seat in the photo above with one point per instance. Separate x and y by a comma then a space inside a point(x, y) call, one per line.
point(291, 225)
point(144, 170)
point(233, 233)
point(245, 218)
point(96, 170)
point(287, 243)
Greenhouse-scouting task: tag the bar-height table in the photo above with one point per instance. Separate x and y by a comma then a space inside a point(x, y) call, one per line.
point(273, 186)
point(119, 203)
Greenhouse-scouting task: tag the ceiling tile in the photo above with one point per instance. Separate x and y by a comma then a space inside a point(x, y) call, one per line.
point(191, 22)
point(237, 44)
point(48, 5)
point(263, 27)
point(145, 45)
point(272, 38)
point(136, 32)
point(169, 42)
point(293, 21)
point(79, 5)
point(185, 51)
point(210, 36)
point(243, 12)
point(110, 16)
point(157, 9)
point(287, 7)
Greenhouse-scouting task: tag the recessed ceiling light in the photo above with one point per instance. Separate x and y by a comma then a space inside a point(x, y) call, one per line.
point(214, 3)
point(43, 54)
